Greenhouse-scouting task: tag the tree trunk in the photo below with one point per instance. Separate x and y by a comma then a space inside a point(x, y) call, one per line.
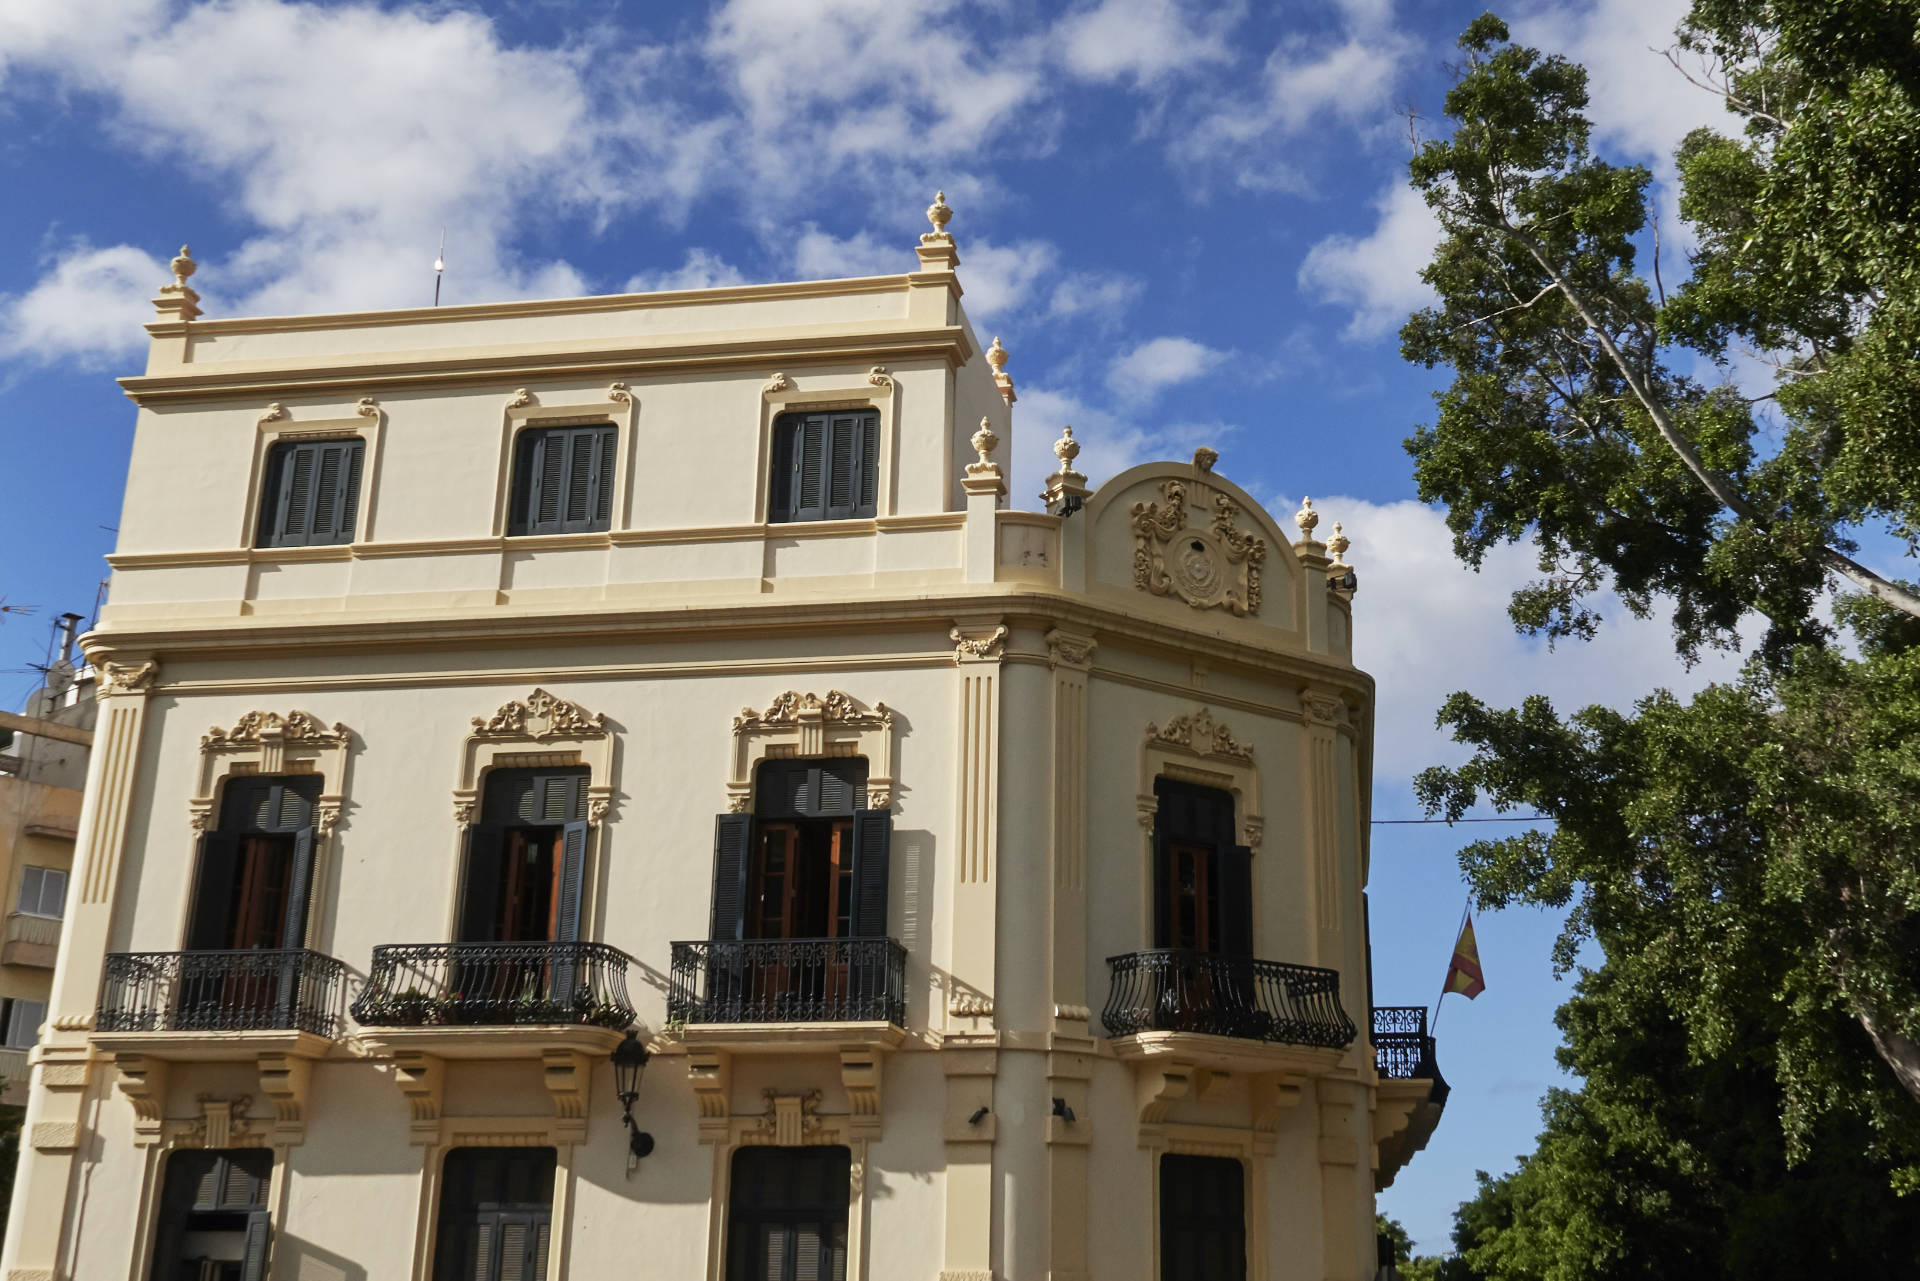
point(1899, 1050)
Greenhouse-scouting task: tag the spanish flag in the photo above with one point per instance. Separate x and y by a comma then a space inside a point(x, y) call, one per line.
point(1463, 975)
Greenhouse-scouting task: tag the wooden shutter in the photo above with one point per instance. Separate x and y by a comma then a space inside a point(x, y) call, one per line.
point(1235, 898)
point(1162, 883)
point(312, 493)
point(869, 460)
point(732, 855)
point(299, 889)
point(841, 484)
point(573, 875)
point(810, 447)
point(563, 480)
point(872, 857)
point(480, 897)
point(215, 869)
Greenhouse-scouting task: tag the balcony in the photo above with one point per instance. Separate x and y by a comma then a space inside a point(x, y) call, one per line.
point(1225, 1011)
point(726, 991)
point(1411, 1093)
point(453, 985)
point(220, 1004)
point(31, 940)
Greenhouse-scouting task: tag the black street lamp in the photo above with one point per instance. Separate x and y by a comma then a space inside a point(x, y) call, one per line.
point(629, 1061)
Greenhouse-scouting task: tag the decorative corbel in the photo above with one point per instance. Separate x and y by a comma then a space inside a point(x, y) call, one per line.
point(977, 644)
point(568, 1075)
point(1159, 1089)
point(860, 1074)
point(143, 1081)
point(422, 1078)
point(285, 1078)
point(368, 407)
point(1274, 1095)
point(710, 1072)
point(620, 393)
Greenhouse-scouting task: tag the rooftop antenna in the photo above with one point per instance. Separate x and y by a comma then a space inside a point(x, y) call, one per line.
point(439, 265)
point(15, 609)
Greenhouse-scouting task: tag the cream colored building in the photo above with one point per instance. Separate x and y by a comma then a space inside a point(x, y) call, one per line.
point(477, 682)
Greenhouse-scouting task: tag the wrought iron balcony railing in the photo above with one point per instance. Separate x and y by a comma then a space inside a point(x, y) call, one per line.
point(1175, 990)
point(281, 989)
point(853, 980)
point(1402, 1048)
point(495, 985)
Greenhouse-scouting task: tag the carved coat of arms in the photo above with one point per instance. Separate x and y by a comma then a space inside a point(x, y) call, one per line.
point(1216, 567)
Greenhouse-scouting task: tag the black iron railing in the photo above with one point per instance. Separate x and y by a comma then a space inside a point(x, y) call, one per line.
point(1175, 990)
point(1402, 1048)
point(288, 989)
point(495, 984)
point(862, 980)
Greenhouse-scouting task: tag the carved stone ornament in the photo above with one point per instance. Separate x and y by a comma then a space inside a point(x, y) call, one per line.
point(790, 1120)
point(779, 382)
point(986, 646)
point(1204, 459)
point(521, 399)
point(273, 413)
point(985, 441)
point(939, 213)
point(970, 1005)
point(368, 407)
point(1213, 568)
point(1199, 732)
point(837, 706)
point(879, 376)
point(222, 1123)
point(124, 678)
point(294, 727)
point(541, 716)
point(1064, 648)
point(1338, 544)
point(1322, 709)
point(620, 393)
point(1306, 518)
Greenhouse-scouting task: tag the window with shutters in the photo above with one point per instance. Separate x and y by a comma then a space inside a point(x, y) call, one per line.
point(43, 891)
point(1202, 881)
point(826, 466)
point(255, 870)
point(526, 858)
point(312, 492)
point(787, 1219)
point(1203, 1221)
point(496, 1215)
point(213, 1221)
point(562, 480)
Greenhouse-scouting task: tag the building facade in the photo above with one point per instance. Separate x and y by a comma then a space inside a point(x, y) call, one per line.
point(984, 888)
point(43, 769)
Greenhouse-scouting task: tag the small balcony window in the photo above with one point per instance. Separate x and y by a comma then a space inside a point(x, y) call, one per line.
point(214, 1222)
point(562, 480)
point(312, 493)
point(1203, 1220)
point(788, 1218)
point(825, 466)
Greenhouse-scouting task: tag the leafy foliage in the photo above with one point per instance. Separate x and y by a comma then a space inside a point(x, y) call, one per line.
point(1745, 860)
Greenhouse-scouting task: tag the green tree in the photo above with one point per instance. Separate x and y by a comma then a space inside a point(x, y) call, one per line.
point(1757, 841)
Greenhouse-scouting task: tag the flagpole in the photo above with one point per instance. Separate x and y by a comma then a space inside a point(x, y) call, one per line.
point(1433, 1024)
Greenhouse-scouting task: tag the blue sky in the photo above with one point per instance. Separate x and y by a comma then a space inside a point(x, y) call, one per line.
point(1188, 224)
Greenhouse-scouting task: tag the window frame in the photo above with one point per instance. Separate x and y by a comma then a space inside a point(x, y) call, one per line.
point(528, 453)
point(40, 897)
point(824, 1209)
point(275, 482)
point(277, 425)
point(786, 481)
point(1162, 1185)
point(878, 391)
point(446, 1211)
point(617, 407)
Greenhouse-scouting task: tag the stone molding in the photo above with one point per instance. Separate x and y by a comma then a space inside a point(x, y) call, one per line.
point(563, 732)
point(813, 725)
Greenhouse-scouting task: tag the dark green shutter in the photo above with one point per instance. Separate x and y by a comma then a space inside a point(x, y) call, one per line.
point(1235, 863)
point(810, 502)
point(872, 858)
point(299, 889)
point(312, 493)
point(563, 480)
point(573, 875)
point(732, 855)
point(213, 891)
point(480, 900)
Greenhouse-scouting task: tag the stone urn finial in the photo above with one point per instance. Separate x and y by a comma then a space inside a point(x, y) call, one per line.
point(997, 355)
point(1306, 518)
point(183, 266)
point(1066, 449)
point(939, 214)
point(985, 441)
point(1339, 543)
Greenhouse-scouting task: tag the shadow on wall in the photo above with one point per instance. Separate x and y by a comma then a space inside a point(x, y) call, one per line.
point(301, 1260)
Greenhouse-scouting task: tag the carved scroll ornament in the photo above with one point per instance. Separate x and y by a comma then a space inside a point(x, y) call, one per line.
point(1213, 568)
point(541, 716)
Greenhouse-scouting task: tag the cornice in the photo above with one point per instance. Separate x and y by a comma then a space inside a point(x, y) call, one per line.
point(531, 307)
point(543, 542)
point(627, 359)
point(1020, 605)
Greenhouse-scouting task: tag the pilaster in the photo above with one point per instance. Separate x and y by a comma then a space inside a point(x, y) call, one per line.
point(1340, 1173)
point(978, 644)
point(1324, 713)
point(969, 1130)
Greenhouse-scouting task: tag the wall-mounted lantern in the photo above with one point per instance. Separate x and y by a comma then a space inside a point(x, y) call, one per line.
point(629, 1062)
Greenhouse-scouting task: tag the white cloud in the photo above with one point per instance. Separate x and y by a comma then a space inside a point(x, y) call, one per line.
point(1160, 363)
point(1104, 296)
point(1108, 445)
point(821, 255)
point(703, 269)
point(1000, 279)
point(1425, 625)
point(90, 305)
point(1141, 40)
point(1376, 275)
